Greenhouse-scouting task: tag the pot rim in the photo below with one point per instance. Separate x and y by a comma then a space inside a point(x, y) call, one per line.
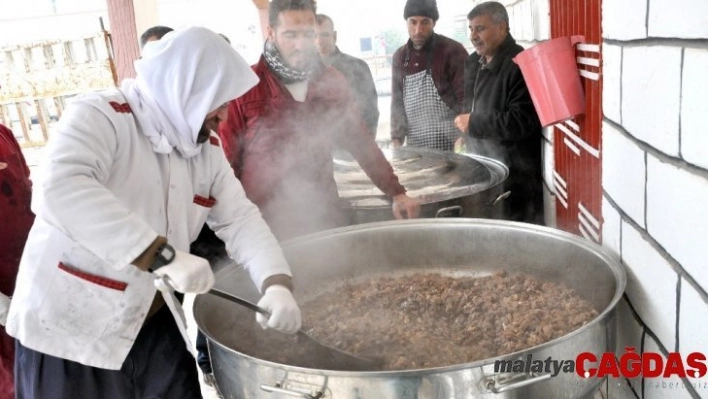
point(498, 170)
point(616, 268)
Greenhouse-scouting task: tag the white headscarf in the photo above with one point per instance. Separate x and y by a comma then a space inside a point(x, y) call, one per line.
point(180, 79)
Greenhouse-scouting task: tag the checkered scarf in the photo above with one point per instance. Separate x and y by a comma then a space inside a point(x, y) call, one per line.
point(284, 72)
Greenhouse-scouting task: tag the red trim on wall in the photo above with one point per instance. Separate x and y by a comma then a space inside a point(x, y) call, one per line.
point(582, 173)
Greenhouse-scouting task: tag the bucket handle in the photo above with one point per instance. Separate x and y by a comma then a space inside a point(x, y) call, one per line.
point(278, 389)
point(575, 39)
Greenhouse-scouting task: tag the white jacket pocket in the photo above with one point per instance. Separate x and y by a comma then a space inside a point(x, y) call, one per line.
point(79, 303)
point(198, 213)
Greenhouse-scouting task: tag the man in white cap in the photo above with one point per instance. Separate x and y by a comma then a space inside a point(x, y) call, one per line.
point(428, 82)
point(129, 179)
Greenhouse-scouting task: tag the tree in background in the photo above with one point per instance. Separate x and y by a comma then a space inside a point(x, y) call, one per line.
point(461, 36)
point(393, 38)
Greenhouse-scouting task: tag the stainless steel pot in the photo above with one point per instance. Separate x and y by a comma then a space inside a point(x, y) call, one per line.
point(470, 247)
point(449, 184)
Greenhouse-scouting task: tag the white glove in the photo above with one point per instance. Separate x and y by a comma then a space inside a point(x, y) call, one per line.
point(188, 273)
point(4, 308)
point(284, 312)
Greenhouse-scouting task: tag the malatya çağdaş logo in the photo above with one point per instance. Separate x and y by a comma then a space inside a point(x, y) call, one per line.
point(630, 365)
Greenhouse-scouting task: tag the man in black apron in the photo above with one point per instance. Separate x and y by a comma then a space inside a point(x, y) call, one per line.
point(428, 82)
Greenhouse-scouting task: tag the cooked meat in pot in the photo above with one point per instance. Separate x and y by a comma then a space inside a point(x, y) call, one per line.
point(431, 320)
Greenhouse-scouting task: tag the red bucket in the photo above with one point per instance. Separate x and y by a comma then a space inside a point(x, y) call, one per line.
point(551, 74)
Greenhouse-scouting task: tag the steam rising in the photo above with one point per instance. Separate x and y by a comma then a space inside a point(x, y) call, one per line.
point(288, 166)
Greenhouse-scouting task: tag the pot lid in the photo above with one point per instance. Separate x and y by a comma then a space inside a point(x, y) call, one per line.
point(431, 175)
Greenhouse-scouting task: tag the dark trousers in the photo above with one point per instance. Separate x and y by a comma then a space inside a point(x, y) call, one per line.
point(7, 362)
point(203, 358)
point(526, 201)
point(157, 366)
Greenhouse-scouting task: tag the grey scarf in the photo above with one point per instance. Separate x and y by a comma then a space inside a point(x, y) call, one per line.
point(285, 73)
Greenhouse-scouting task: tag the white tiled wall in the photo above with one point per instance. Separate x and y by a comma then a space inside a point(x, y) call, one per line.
point(541, 19)
point(625, 19)
point(694, 311)
point(611, 227)
point(629, 335)
point(694, 107)
point(651, 88)
point(612, 74)
point(684, 19)
point(651, 284)
point(677, 216)
point(529, 20)
point(655, 142)
point(624, 171)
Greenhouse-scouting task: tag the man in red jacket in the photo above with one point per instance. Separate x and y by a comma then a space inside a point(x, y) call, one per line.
point(16, 218)
point(279, 136)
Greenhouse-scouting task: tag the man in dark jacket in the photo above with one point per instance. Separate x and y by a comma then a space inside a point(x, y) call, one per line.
point(428, 82)
point(501, 121)
point(355, 70)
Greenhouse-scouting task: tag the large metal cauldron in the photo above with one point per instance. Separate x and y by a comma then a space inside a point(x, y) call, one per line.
point(449, 184)
point(463, 246)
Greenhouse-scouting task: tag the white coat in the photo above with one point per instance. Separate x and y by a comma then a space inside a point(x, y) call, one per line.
point(101, 199)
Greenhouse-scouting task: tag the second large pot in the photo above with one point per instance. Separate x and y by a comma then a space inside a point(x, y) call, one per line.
point(469, 247)
point(449, 185)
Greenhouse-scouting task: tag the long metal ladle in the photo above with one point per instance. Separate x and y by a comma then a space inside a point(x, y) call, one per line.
point(332, 357)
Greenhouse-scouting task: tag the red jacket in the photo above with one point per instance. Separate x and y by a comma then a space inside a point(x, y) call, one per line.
point(16, 218)
point(281, 150)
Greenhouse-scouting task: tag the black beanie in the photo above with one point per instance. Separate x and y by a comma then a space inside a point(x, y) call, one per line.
point(421, 8)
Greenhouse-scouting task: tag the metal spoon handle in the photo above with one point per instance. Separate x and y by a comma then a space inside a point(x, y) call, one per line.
point(241, 301)
point(339, 359)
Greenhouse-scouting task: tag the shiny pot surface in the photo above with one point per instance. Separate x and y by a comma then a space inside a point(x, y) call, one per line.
point(465, 246)
point(449, 185)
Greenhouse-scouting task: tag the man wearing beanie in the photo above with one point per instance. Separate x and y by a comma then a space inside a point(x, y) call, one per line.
point(428, 82)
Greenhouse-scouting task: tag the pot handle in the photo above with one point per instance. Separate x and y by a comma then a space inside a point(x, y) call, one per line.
point(495, 384)
point(453, 208)
point(501, 197)
point(278, 389)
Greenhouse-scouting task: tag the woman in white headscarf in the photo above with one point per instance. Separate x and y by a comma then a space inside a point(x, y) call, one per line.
point(129, 179)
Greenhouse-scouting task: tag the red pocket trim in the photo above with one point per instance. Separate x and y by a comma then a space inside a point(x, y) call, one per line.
point(121, 108)
point(207, 202)
point(214, 141)
point(102, 281)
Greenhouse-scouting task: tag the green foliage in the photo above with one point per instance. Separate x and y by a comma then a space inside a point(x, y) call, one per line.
point(394, 39)
point(461, 36)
